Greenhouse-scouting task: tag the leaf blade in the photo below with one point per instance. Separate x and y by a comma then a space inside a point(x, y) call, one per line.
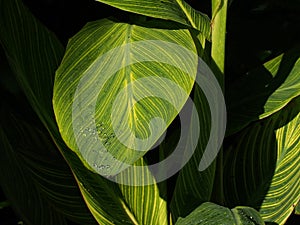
point(263, 91)
point(178, 11)
point(210, 213)
point(270, 171)
point(78, 78)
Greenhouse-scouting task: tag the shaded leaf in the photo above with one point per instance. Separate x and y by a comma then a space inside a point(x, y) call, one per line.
point(262, 166)
point(192, 186)
point(263, 91)
point(33, 53)
point(212, 214)
point(35, 178)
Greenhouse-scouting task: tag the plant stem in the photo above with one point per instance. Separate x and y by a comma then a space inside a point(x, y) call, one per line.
point(218, 26)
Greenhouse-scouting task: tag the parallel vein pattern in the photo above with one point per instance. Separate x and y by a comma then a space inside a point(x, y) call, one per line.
point(263, 167)
point(263, 91)
point(34, 67)
point(174, 10)
point(121, 102)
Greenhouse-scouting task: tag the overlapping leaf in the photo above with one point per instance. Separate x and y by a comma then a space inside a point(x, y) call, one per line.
point(212, 214)
point(151, 208)
point(194, 187)
point(35, 178)
point(262, 166)
point(33, 52)
point(175, 10)
point(263, 91)
point(111, 84)
point(104, 198)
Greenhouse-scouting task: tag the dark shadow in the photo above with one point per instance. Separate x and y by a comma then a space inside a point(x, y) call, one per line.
point(247, 96)
point(250, 161)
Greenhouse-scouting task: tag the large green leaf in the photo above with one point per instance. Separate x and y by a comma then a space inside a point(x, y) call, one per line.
point(104, 198)
point(35, 178)
point(175, 10)
point(212, 214)
point(262, 165)
point(263, 91)
point(114, 79)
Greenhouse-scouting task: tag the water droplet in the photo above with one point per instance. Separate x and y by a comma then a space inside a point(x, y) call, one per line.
point(101, 167)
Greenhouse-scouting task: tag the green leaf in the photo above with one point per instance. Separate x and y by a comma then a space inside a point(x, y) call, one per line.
point(35, 178)
point(212, 214)
point(194, 187)
point(114, 79)
point(103, 197)
point(297, 208)
point(33, 53)
point(262, 166)
point(174, 10)
point(263, 91)
point(151, 208)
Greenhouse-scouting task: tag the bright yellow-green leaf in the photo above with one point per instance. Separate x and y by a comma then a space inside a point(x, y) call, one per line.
point(115, 81)
point(174, 10)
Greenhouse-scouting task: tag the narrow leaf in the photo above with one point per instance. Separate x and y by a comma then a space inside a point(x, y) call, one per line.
point(151, 208)
point(193, 187)
point(35, 178)
point(175, 10)
point(33, 53)
point(263, 91)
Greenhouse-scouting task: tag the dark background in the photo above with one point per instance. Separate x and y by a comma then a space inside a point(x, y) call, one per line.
point(256, 32)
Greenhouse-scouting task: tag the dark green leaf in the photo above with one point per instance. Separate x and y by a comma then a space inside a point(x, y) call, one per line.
point(33, 53)
point(263, 91)
point(211, 214)
point(194, 187)
point(262, 165)
point(35, 178)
